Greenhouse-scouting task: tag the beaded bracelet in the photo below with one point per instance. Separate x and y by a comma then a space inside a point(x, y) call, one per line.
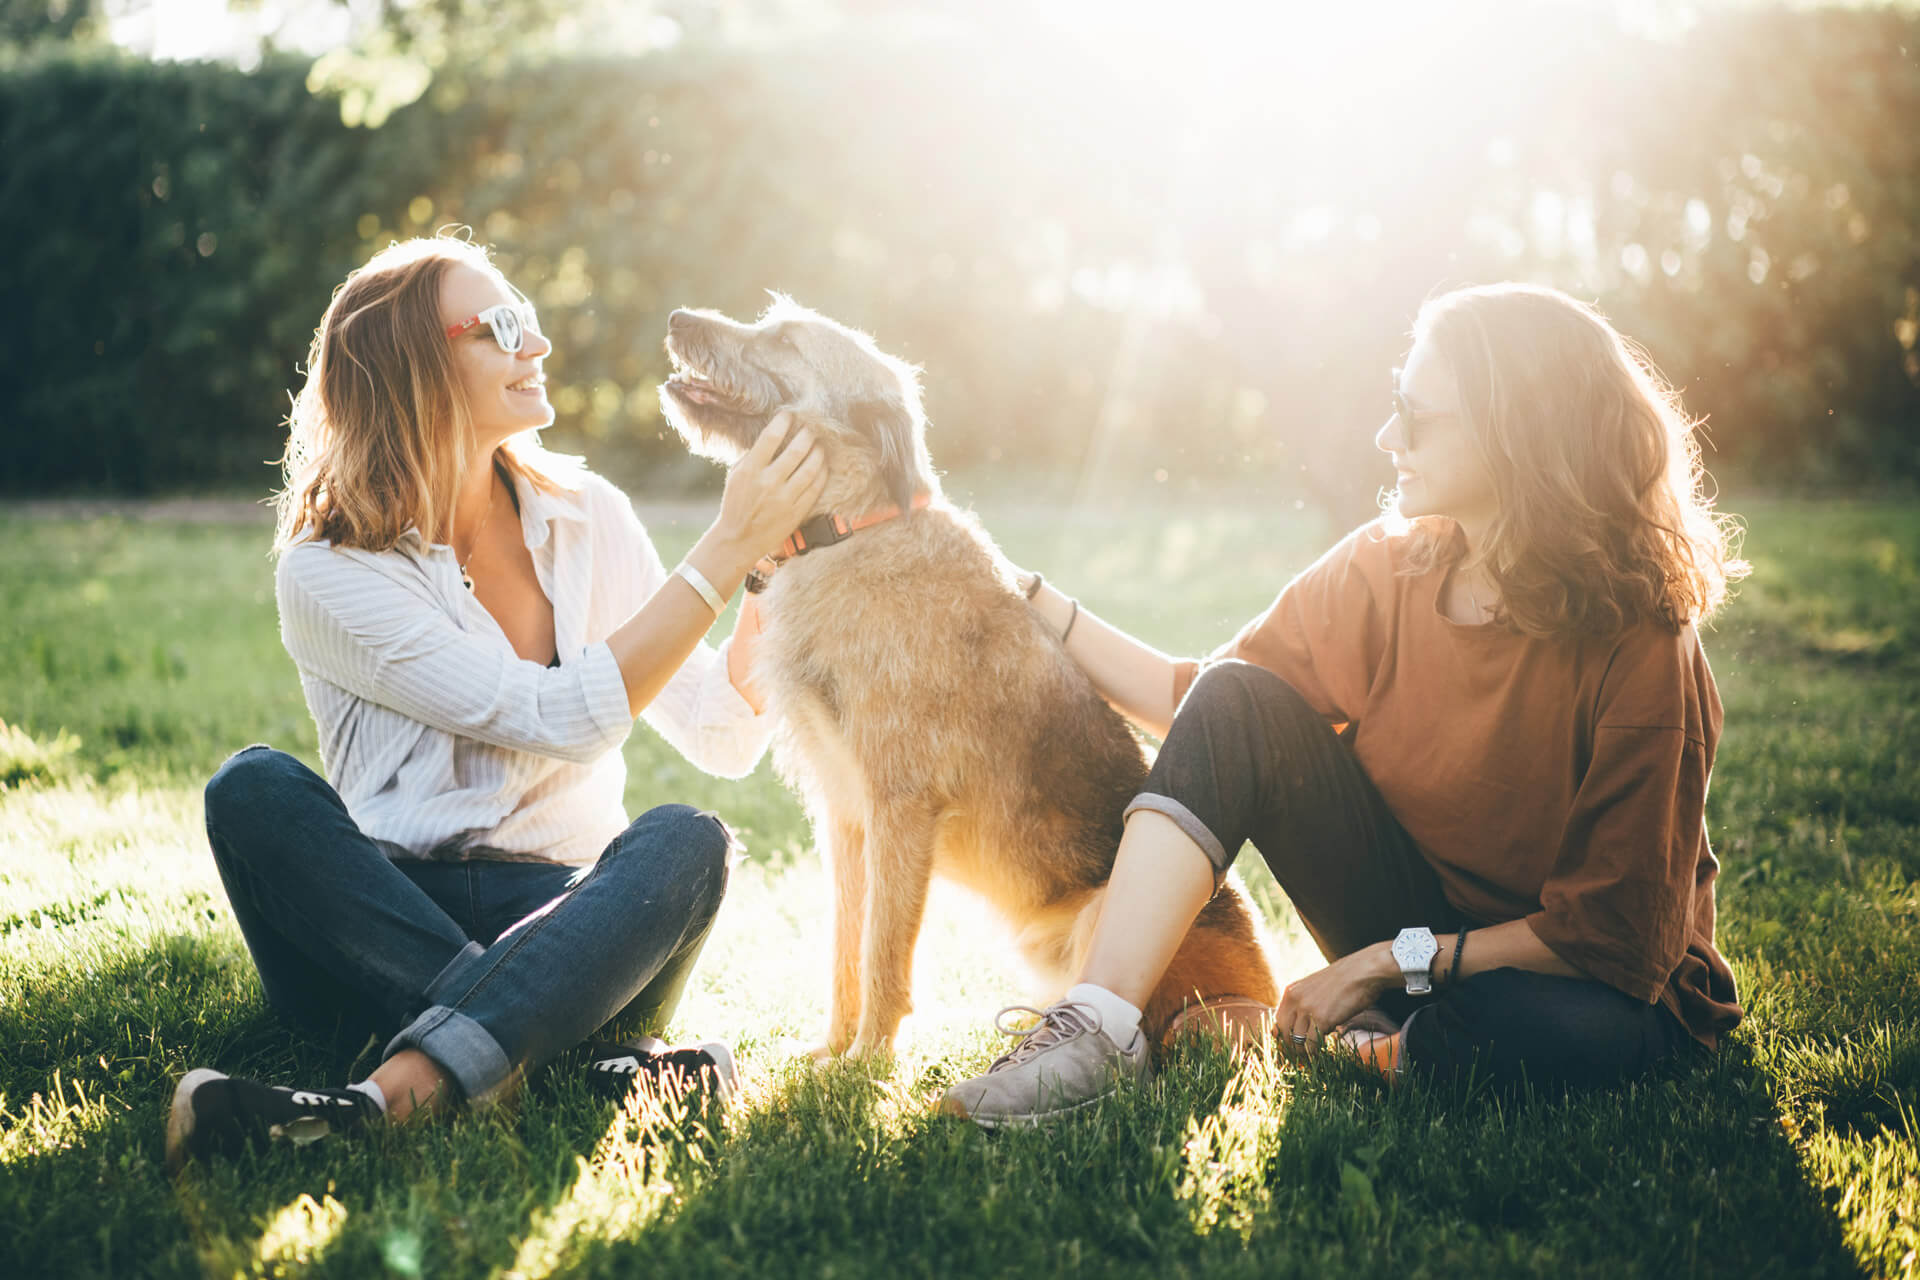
point(1073, 615)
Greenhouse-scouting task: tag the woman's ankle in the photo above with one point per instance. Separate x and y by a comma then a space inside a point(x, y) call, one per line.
point(412, 1083)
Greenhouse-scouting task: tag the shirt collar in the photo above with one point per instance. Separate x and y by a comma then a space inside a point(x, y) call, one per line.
point(539, 508)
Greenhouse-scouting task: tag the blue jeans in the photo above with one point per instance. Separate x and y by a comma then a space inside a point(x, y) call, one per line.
point(490, 968)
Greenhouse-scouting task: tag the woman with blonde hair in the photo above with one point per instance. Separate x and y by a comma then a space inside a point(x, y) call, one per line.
point(476, 624)
point(1472, 741)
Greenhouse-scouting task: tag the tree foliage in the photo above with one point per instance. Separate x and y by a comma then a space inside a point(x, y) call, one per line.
point(24, 22)
point(1098, 271)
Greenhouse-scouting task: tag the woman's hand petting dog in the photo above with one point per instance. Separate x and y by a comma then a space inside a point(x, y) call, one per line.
point(773, 489)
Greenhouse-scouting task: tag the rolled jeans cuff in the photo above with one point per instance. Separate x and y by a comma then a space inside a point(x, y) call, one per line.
point(1190, 826)
point(458, 1045)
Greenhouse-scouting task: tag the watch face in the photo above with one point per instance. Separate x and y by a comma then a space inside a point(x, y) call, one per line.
point(1414, 948)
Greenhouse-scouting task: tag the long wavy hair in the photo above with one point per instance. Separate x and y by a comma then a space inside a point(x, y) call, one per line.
point(1602, 516)
point(380, 434)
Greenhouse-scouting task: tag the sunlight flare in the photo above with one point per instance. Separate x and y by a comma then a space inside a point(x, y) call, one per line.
point(624, 1185)
point(299, 1233)
point(1226, 1153)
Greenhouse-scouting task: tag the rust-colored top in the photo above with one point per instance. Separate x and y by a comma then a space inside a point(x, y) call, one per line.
point(1562, 781)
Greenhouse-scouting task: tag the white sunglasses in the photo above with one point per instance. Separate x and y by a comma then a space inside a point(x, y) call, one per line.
point(510, 322)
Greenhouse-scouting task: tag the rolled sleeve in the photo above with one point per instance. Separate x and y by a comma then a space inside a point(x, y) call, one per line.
point(1618, 904)
point(605, 690)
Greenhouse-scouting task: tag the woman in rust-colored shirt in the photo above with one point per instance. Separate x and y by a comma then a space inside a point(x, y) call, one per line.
point(1472, 741)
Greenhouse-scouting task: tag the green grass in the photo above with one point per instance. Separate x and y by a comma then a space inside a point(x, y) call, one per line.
point(134, 657)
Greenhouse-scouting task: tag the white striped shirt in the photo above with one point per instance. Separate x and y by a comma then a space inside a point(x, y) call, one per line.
point(442, 740)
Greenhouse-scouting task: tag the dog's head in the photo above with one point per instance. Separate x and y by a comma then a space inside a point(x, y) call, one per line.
point(730, 379)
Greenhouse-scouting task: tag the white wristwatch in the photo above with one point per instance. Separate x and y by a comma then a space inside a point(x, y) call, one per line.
point(1414, 951)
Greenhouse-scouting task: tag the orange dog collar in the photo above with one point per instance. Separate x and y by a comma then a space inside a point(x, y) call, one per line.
point(824, 531)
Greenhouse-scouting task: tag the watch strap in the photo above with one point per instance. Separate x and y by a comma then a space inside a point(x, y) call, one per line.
point(1419, 982)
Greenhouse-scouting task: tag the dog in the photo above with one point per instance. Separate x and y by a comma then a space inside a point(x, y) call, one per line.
point(930, 721)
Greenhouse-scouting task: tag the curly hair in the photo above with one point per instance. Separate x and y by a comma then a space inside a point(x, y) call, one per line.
point(1602, 518)
point(378, 439)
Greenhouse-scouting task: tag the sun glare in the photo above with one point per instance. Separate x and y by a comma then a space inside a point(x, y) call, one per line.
point(299, 1233)
point(1326, 111)
point(1325, 67)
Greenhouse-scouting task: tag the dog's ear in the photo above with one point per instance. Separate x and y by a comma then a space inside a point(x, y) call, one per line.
point(889, 425)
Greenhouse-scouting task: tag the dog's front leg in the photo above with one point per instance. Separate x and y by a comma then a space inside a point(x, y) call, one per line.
point(899, 870)
point(846, 851)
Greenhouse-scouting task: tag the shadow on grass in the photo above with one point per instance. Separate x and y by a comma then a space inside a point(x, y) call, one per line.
point(94, 1051)
point(1689, 1172)
point(1217, 1166)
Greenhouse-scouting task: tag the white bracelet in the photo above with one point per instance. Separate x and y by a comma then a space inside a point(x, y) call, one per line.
point(698, 581)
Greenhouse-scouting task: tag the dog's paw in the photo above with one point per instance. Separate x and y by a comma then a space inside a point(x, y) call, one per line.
point(868, 1049)
point(833, 1045)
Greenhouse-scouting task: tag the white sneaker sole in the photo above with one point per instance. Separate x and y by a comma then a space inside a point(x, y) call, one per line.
point(1027, 1120)
point(180, 1118)
point(723, 1069)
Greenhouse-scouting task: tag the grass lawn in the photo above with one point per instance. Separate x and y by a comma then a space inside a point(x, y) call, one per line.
point(135, 656)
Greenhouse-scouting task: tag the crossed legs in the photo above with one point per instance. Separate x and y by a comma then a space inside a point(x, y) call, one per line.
point(347, 942)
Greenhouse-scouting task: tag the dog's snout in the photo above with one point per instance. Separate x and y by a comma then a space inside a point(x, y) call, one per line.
point(679, 318)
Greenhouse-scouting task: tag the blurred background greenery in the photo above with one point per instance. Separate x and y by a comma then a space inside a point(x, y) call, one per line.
point(1133, 245)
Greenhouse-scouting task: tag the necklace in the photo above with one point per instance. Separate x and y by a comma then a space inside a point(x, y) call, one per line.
point(1480, 612)
point(473, 548)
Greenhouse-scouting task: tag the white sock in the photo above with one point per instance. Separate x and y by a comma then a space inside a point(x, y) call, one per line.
point(373, 1091)
point(1120, 1020)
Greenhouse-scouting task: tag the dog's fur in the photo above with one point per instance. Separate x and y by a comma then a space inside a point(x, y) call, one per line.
point(930, 720)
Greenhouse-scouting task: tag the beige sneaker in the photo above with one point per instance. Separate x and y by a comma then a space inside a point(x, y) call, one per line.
point(1062, 1064)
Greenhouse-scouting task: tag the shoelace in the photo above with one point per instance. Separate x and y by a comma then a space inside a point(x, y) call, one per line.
point(1057, 1023)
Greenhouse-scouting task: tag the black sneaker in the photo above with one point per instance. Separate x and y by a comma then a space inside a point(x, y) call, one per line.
point(216, 1114)
point(614, 1069)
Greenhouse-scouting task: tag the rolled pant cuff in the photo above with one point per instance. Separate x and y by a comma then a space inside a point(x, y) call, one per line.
point(1190, 826)
point(458, 1045)
point(462, 1048)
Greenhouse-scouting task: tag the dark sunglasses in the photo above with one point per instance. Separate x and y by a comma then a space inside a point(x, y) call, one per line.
point(1408, 415)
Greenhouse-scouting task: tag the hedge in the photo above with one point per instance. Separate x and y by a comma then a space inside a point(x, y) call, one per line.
point(1100, 275)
